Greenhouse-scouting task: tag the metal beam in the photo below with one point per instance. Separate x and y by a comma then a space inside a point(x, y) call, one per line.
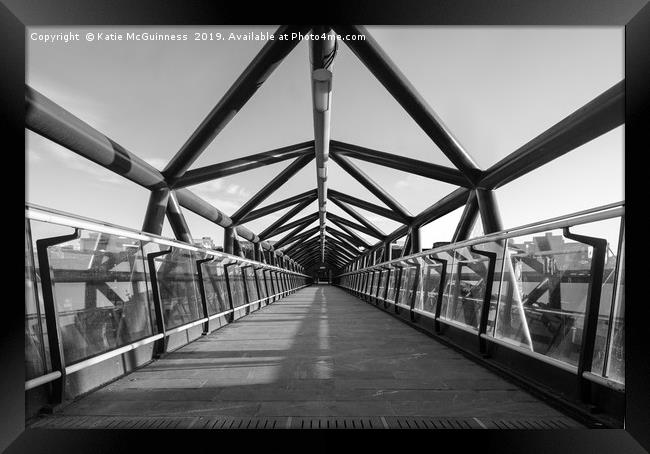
point(385, 212)
point(177, 220)
point(447, 204)
point(348, 240)
point(272, 208)
point(602, 114)
point(467, 219)
point(292, 237)
point(321, 56)
point(51, 121)
point(283, 228)
point(154, 217)
point(239, 93)
point(356, 215)
point(414, 166)
point(342, 221)
point(357, 239)
point(371, 186)
point(274, 228)
point(376, 60)
point(289, 236)
point(271, 187)
point(302, 241)
point(490, 216)
point(223, 169)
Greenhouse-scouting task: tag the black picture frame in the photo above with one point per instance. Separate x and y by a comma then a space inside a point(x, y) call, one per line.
point(634, 15)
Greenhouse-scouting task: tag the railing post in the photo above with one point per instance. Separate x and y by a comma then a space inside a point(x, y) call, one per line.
point(204, 300)
point(592, 307)
point(416, 282)
point(160, 346)
point(257, 286)
point(372, 281)
point(398, 284)
point(57, 354)
point(230, 299)
point(390, 270)
point(246, 295)
point(487, 298)
point(441, 291)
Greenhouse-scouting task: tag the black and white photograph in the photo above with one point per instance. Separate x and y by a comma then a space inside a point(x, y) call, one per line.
point(325, 227)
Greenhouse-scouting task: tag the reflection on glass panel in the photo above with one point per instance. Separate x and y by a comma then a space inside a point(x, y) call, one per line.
point(407, 284)
point(382, 284)
point(496, 248)
point(260, 280)
point(544, 293)
point(101, 293)
point(236, 280)
point(448, 285)
point(610, 228)
point(179, 296)
point(431, 275)
point(391, 285)
point(36, 345)
point(466, 295)
point(375, 283)
point(616, 358)
point(250, 284)
point(214, 283)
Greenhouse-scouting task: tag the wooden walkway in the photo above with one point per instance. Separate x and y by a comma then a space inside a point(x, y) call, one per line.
point(319, 356)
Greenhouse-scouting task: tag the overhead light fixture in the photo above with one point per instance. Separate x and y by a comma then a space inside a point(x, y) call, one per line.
point(322, 89)
point(322, 173)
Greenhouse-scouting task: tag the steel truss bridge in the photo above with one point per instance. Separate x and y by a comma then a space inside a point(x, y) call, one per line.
point(542, 325)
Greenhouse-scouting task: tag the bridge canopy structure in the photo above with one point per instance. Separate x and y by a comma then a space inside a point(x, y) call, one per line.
point(539, 307)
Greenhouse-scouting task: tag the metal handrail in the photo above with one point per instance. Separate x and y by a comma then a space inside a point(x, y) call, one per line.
point(570, 220)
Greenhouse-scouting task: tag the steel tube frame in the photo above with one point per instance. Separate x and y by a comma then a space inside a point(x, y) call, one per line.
point(177, 220)
point(234, 166)
point(371, 186)
point(599, 116)
point(352, 212)
point(154, 217)
point(385, 212)
point(279, 226)
point(232, 101)
point(271, 187)
point(403, 163)
point(389, 75)
point(340, 221)
point(272, 208)
point(321, 55)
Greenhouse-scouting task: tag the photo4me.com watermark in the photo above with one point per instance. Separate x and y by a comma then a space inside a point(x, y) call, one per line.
point(103, 36)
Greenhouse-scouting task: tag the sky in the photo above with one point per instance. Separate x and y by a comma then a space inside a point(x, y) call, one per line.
point(495, 88)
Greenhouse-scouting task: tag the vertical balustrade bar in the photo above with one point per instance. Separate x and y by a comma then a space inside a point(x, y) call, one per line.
point(204, 300)
point(57, 354)
point(160, 346)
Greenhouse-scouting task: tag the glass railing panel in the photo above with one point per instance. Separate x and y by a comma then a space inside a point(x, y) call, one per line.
point(449, 284)
point(101, 293)
point(496, 250)
point(236, 280)
point(392, 291)
point(250, 284)
point(375, 283)
point(465, 298)
point(260, 279)
point(431, 275)
point(407, 283)
point(382, 284)
point(36, 344)
point(214, 283)
point(543, 294)
point(177, 285)
point(608, 229)
point(615, 369)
